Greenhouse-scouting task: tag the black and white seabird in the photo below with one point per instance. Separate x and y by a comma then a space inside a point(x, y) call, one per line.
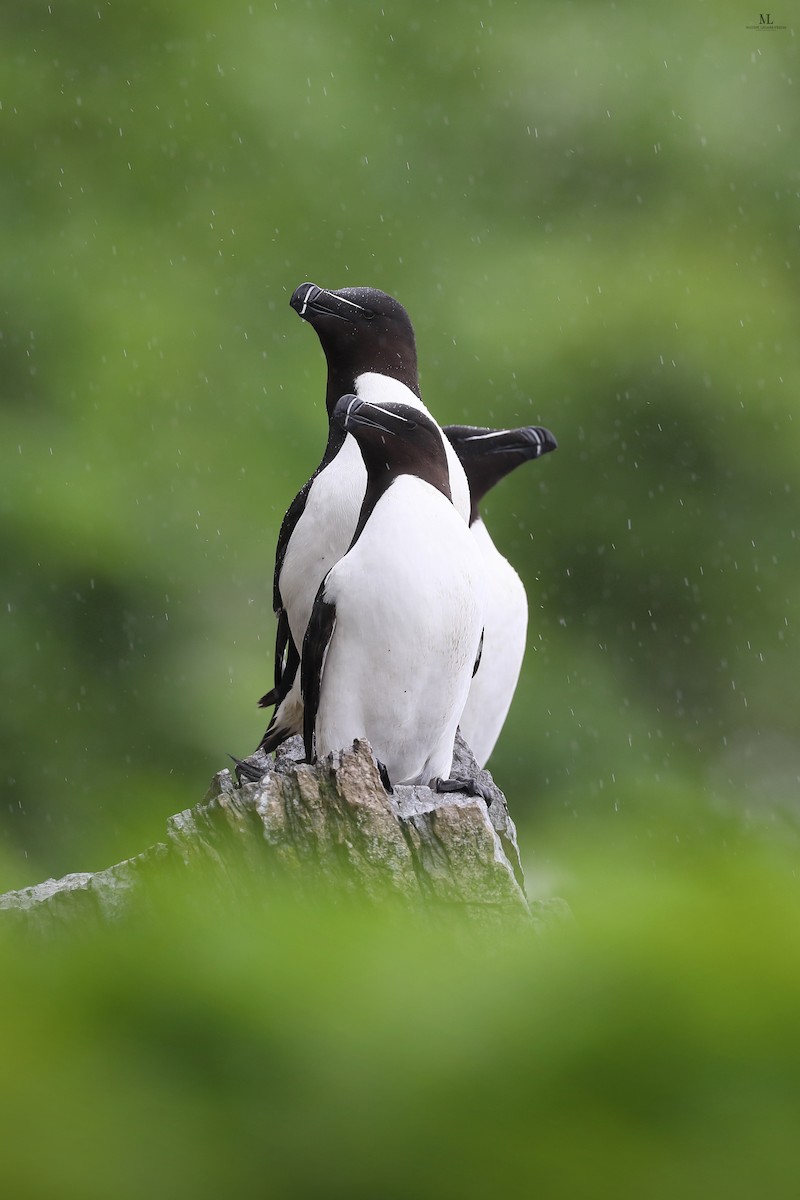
point(488, 455)
point(369, 345)
point(396, 626)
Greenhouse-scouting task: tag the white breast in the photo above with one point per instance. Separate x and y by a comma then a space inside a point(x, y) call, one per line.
point(327, 524)
point(409, 613)
point(322, 534)
point(380, 389)
point(506, 623)
point(328, 521)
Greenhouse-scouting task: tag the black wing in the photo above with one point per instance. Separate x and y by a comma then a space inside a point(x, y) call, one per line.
point(479, 655)
point(287, 660)
point(275, 733)
point(286, 654)
point(293, 514)
point(315, 643)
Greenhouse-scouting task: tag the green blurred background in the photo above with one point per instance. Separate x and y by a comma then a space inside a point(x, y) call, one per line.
point(591, 212)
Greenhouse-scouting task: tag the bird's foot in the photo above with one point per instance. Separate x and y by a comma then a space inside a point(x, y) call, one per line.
point(472, 787)
point(251, 769)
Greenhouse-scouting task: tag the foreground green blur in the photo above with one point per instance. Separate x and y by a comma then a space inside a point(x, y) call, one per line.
point(650, 1047)
point(590, 212)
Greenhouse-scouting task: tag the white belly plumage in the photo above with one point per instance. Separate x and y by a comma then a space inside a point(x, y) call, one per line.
point(322, 534)
point(328, 521)
point(505, 629)
point(409, 602)
point(380, 389)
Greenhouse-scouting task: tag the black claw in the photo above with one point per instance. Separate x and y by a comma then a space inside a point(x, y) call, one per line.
point(246, 770)
point(385, 780)
point(484, 793)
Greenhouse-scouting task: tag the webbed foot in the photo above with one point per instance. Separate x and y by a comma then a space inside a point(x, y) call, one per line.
point(251, 769)
point(472, 787)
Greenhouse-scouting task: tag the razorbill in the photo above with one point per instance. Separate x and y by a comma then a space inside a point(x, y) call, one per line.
point(488, 455)
point(369, 346)
point(396, 625)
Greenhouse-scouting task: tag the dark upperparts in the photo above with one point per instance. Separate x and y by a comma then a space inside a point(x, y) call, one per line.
point(488, 455)
point(360, 329)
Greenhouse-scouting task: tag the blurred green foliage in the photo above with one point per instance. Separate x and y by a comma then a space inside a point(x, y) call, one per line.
point(649, 1049)
point(590, 211)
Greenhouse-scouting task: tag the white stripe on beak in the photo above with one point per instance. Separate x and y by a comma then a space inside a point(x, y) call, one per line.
point(311, 287)
point(482, 437)
point(388, 412)
point(343, 300)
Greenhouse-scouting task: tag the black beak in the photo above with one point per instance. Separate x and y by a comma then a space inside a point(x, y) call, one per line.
point(301, 296)
point(541, 438)
point(532, 441)
point(352, 414)
point(310, 301)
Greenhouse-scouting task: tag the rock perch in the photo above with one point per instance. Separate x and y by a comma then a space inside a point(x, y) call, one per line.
point(332, 824)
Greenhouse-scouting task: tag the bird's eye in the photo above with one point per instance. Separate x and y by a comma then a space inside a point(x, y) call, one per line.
point(368, 314)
